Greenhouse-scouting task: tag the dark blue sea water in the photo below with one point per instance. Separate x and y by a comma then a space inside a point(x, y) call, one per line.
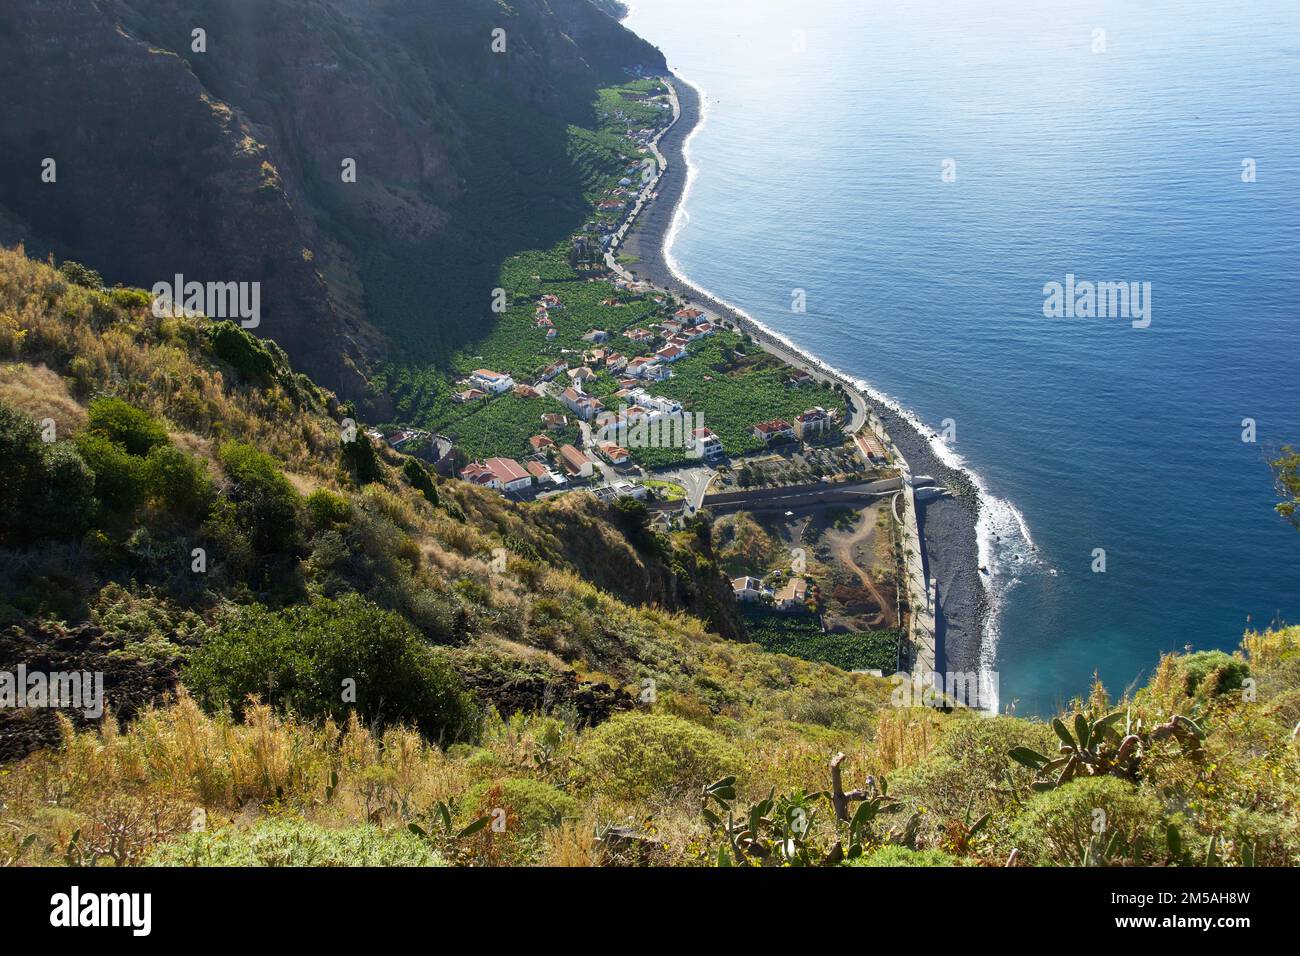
point(1116, 157)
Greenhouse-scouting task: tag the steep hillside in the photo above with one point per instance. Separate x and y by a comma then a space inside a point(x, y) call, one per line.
point(226, 163)
point(241, 458)
point(339, 658)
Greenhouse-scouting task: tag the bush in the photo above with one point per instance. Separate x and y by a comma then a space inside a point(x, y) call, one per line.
point(902, 856)
point(47, 489)
point(83, 276)
point(179, 482)
point(635, 755)
point(360, 460)
point(419, 479)
point(280, 842)
point(120, 482)
point(66, 505)
point(267, 504)
point(125, 425)
point(1056, 827)
point(246, 354)
point(531, 805)
point(307, 657)
point(326, 510)
point(1214, 672)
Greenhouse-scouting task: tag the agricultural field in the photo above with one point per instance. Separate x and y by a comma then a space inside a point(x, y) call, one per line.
point(726, 378)
point(799, 634)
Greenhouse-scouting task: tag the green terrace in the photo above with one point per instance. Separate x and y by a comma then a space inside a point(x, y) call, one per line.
point(725, 377)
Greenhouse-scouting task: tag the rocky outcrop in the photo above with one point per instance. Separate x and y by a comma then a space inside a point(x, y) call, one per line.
point(129, 684)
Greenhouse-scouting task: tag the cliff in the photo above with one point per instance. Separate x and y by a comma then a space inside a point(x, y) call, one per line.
point(226, 162)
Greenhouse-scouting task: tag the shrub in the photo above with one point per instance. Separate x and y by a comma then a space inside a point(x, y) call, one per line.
point(48, 489)
point(280, 842)
point(125, 425)
point(66, 505)
point(419, 479)
point(244, 353)
point(902, 856)
point(179, 482)
point(531, 805)
point(361, 461)
point(267, 504)
point(326, 510)
point(119, 477)
point(1056, 827)
point(636, 755)
point(306, 657)
point(1213, 672)
point(83, 276)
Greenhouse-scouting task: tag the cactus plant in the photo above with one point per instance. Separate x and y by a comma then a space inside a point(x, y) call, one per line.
point(1097, 748)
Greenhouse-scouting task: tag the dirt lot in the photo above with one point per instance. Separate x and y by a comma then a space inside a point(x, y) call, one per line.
point(843, 556)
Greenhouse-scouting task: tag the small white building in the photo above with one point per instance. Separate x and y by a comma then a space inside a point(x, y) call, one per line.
point(490, 381)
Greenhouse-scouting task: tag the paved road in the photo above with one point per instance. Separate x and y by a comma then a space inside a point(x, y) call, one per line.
point(768, 499)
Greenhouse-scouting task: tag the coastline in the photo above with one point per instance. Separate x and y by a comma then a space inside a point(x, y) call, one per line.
point(948, 522)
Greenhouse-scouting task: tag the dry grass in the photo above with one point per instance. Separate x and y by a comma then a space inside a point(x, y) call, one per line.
point(107, 344)
point(40, 393)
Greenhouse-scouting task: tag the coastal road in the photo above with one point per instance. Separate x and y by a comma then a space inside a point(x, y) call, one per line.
point(695, 482)
point(770, 499)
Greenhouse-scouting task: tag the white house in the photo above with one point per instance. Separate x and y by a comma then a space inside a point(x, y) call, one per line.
point(747, 588)
point(490, 381)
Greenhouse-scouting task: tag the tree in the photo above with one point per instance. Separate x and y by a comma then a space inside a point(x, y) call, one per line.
point(1286, 472)
point(81, 275)
point(134, 429)
point(267, 504)
point(46, 490)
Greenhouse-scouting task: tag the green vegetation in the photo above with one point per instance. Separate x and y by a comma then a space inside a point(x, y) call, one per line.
point(558, 660)
point(799, 634)
point(275, 842)
point(331, 658)
point(48, 488)
point(644, 755)
point(902, 856)
point(529, 804)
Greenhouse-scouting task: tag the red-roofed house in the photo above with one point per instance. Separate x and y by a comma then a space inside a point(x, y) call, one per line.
point(503, 474)
point(490, 381)
point(575, 462)
point(584, 406)
point(776, 429)
point(670, 353)
point(615, 454)
point(815, 421)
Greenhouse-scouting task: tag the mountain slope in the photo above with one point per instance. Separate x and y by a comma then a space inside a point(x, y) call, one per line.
point(227, 164)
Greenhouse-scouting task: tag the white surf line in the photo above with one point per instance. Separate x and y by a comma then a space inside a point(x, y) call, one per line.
point(1003, 541)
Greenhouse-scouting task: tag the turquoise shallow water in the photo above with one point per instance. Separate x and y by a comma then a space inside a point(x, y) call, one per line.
point(818, 167)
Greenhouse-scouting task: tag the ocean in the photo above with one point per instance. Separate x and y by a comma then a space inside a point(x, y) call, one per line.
point(919, 173)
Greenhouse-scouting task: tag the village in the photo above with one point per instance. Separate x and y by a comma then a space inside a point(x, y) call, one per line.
point(594, 382)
